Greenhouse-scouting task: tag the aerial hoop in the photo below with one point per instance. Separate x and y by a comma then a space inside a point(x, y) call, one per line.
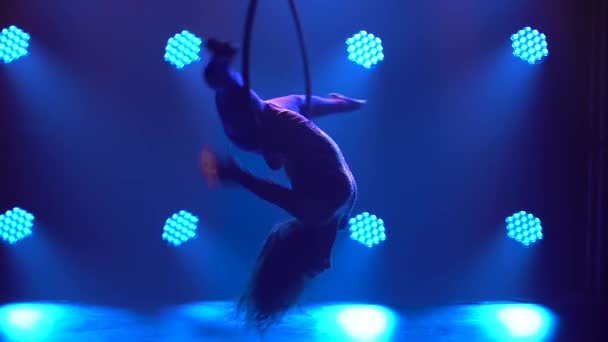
point(247, 46)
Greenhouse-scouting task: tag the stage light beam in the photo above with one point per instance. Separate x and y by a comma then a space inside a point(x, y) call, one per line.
point(179, 228)
point(365, 49)
point(14, 44)
point(183, 49)
point(367, 229)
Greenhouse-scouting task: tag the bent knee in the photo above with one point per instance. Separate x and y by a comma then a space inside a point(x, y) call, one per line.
point(331, 207)
point(345, 190)
point(296, 102)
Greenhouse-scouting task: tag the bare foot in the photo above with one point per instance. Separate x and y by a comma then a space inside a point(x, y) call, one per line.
point(208, 165)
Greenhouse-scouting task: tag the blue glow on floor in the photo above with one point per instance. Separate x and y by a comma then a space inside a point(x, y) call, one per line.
point(518, 321)
point(215, 321)
point(28, 322)
point(366, 322)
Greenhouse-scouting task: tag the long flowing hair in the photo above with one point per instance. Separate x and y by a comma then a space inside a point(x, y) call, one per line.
point(292, 254)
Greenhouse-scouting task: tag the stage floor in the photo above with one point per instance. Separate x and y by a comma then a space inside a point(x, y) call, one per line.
point(210, 321)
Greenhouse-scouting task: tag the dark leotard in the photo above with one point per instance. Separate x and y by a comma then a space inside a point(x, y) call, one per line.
point(323, 189)
point(314, 163)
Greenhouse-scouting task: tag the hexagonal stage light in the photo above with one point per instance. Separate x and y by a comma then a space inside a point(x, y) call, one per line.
point(15, 225)
point(183, 49)
point(179, 228)
point(367, 229)
point(365, 49)
point(14, 43)
point(530, 45)
point(524, 228)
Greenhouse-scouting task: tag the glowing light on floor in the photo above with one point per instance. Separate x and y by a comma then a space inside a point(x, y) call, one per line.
point(517, 322)
point(13, 44)
point(28, 322)
point(523, 227)
point(183, 49)
point(365, 322)
point(215, 321)
point(15, 225)
point(367, 229)
point(530, 45)
point(179, 228)
point(365, 49)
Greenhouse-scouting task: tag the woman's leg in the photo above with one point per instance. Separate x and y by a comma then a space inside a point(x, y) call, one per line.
point(315, 207)
point(320, 106)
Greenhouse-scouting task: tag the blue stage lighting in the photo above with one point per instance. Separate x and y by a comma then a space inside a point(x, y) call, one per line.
point(364, 322)
point(524, 228)
point(529, 45)
point(365, 49)
point(13, 44)
point(179, 228)
point(183, 49)
point(16, 224)
point(367, 229)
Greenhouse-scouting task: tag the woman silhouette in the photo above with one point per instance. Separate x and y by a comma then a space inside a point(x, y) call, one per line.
point(322, 189)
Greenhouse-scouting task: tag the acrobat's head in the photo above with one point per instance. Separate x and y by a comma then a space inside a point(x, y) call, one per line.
point(292, 255)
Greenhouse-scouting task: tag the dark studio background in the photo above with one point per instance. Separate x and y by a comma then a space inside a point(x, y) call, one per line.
point(99, 138)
